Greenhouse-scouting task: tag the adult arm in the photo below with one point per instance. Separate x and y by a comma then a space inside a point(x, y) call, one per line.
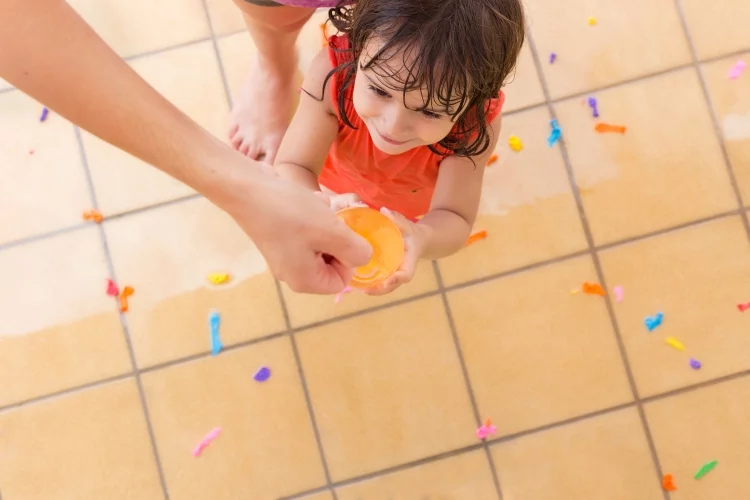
point(50, 53)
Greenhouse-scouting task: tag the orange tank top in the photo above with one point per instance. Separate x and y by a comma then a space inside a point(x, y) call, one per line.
point(404, 182)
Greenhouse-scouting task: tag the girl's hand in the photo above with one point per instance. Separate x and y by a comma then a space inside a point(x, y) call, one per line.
point(413, 242)
point(340, 201)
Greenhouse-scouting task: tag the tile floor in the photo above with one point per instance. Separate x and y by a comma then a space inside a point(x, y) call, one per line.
point(379, 398)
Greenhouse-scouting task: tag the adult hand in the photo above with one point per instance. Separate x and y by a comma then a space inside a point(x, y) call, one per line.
point(302, 240)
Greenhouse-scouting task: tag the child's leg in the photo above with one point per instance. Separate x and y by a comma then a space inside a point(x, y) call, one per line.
point(262, 110)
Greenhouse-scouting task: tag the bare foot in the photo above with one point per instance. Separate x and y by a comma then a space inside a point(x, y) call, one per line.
point(262, 111)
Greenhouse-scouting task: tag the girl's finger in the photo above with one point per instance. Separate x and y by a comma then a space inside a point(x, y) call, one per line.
point(402, 222)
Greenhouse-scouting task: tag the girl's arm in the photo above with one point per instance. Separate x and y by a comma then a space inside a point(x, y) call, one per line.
point(305, 146)
point(446, 227)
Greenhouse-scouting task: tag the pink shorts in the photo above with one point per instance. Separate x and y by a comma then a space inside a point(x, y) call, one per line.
point(295, 3)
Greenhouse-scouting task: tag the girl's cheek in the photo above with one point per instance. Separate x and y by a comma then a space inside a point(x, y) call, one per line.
point(438, 131)
point(365, 105)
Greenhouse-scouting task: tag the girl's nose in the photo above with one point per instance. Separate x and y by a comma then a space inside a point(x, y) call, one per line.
point(397, 121)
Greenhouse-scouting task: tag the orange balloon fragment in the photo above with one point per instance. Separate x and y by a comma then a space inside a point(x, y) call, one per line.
point(488, 422)
point(604, 128)
point(387, 244)
point(668, 483)
point(491, 160)
point(124, 294)
point(479, 235)
point(593, 289)
point(93, 215)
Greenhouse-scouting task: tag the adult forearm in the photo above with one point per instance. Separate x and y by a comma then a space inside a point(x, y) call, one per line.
point(50, 53)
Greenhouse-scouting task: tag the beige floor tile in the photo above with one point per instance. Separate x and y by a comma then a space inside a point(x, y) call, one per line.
point(166, 254)
point(318, 496)
point(59, 329)
point(696, 277)
point(140, 26)
point(631, 39)
point(386, 388)
point(535, 353)
point(697, 427)
point(189, 77)
point(523, 88)
point(226, 17)
point(266, 448)
point(719, 28)
point(464, 477)
point(305, 309)
point(88, 445)
point(236, 52)
point(45, 190)
point(604, 456)
point(527, 206)
point(731, 101)
point(659, 173)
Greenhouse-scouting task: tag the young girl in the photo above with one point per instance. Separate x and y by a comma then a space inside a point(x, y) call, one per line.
point(401, 112)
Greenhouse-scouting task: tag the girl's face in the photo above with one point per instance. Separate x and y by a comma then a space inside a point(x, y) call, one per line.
point(397, 121)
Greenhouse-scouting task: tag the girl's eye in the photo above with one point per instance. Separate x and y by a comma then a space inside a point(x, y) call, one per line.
point(431, 115)
point(378, 92)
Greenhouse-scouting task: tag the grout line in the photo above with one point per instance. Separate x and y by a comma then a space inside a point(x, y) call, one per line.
point(123, 321)
point(217, 53)
point(208, 354)
point(599, 271)
point(714, 115)
point(467, 379)
point(362, 312)
point(169, 48)
point(727, 55)
point(517, 270)
point(43, 236)
point(661, 232)
point(305, 390)
point(65, 392)
point(636, 79)
point(389, 470)
point(561, 423)
point(231, 33)
point(694, 387)
point(161, 366)
point(155, 206)
point(460, 451)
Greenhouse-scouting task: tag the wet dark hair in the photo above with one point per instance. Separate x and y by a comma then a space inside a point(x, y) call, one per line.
point(461, 51)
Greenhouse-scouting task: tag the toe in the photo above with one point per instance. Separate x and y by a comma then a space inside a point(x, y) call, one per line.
point(271, 154)
point(253, 151)
point(233, 131)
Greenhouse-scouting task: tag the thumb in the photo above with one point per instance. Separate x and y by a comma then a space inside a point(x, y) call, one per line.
point(346, 246)
point(404, 224)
